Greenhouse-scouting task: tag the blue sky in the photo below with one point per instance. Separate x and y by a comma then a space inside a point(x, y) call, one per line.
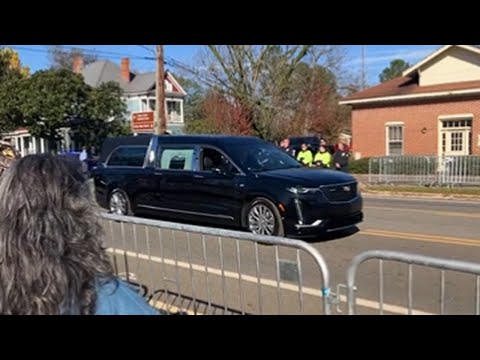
point(377, 57)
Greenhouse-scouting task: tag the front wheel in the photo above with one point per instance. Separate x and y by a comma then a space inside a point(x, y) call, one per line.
point(119, 203)
point(263, 218)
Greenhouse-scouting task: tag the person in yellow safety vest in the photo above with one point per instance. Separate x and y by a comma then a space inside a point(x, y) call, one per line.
point(305, 156)
point(323, 159)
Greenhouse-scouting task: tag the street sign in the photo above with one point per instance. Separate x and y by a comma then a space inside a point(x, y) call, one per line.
point(142, 122)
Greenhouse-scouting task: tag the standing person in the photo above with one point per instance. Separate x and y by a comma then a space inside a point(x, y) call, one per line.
point(323, 159)
point(305, 156)
point(83, 159)
point(93, 151)
point(52, 261)
point(83, 155)
point(330, 148)
point(286, 146)
point(341, 158)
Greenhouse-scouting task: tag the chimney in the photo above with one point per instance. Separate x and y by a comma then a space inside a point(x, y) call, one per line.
point(77, 64)
point(126, 69)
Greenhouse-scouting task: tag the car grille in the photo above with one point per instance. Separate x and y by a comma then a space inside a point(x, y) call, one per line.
point(340, 193)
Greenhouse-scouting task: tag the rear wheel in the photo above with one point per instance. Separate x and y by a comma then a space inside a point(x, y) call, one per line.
point(119, 204)
point(263, 218)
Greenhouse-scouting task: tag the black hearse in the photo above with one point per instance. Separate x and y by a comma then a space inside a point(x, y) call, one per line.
point(224, 180)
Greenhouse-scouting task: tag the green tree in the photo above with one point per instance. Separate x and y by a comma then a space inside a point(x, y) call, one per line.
point(51, 100)
point(10, 64)
point(396, 68)
point(192, 107)
point(61, 58)
point(12, 80)
point(56, 99)
point(103, 116)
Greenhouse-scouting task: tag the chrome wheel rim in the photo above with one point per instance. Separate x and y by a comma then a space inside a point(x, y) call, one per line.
point(118, 204)
point(261, 220)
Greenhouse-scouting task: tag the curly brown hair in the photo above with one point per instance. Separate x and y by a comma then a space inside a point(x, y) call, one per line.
point(51, 254)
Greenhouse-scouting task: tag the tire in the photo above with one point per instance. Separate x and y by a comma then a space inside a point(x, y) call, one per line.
point(263, 218)
point(119, 204)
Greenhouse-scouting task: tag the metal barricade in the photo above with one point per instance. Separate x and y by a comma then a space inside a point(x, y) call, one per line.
point(425, 170)
point(202, 270)
point(410, 260)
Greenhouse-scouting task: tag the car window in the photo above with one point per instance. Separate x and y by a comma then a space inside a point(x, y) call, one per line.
point(213, 159)
point(128, 156)
point(262, 156)
point(177, 159)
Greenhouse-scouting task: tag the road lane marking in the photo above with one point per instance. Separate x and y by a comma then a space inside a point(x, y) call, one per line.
point(430, 212)
point(160, 305)
point(421, 237)
point(394, 309)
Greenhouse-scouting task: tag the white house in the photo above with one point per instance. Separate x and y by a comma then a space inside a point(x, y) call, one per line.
point(138, 89)
point(139, 95)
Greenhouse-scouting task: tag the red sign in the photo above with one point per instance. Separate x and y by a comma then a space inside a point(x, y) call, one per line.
point(143, 122)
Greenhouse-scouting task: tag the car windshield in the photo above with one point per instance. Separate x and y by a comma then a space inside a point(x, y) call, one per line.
point(262, 157)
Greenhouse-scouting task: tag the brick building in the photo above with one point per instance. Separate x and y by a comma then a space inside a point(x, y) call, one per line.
point(432, 109)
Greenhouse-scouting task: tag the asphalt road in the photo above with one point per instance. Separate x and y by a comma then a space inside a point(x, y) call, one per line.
point(201, 272)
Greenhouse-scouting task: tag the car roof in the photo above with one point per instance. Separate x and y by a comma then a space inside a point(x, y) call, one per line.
point(221, 141)
point(112, 143)
point(217, 140)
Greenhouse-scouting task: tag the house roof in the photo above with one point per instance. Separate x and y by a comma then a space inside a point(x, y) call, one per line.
point(141, 83)
point(103, 71)
point(407, 86)
point(434, 55)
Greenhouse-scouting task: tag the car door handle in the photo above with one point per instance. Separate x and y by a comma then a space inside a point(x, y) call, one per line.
point(198, 177)
point(158, 173)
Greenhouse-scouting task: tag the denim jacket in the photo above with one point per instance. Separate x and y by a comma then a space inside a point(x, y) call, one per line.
point(117, 298)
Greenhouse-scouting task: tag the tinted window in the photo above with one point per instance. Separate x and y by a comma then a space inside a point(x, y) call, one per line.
point(177, 159)
point(128, 156)
point(262, 157)
point(309, 140)
point(212, 159)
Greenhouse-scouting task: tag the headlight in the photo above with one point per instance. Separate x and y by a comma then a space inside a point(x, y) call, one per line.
point(301, 190)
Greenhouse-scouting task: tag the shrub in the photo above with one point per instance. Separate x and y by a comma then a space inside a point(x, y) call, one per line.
point(359, 166)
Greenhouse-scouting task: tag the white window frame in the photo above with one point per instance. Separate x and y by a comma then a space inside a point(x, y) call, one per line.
point(180, 115)
point(455, 117)
point(139, 103)
point(389, 125)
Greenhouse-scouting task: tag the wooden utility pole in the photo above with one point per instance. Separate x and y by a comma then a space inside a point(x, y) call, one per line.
point(160, 116)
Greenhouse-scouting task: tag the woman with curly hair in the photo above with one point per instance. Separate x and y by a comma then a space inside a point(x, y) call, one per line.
point(51, 257)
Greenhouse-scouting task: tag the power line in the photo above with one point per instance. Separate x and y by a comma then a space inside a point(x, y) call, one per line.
point(147, 48)
point(116, 55)
point(89, 52)
point(99, 52)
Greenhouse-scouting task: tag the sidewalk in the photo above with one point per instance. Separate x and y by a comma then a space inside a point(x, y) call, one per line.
point(398, 192)
point(414, 195)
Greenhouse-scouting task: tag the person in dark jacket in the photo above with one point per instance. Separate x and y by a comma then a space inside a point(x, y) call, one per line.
point(287, 147)
point(330, 148)
point(341, 158)
point(52, 261)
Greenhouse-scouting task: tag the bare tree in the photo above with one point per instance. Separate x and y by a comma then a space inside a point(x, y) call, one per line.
point(258, 78)
point(61, 58)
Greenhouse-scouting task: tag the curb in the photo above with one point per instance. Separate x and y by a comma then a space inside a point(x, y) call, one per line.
point(473, 198)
